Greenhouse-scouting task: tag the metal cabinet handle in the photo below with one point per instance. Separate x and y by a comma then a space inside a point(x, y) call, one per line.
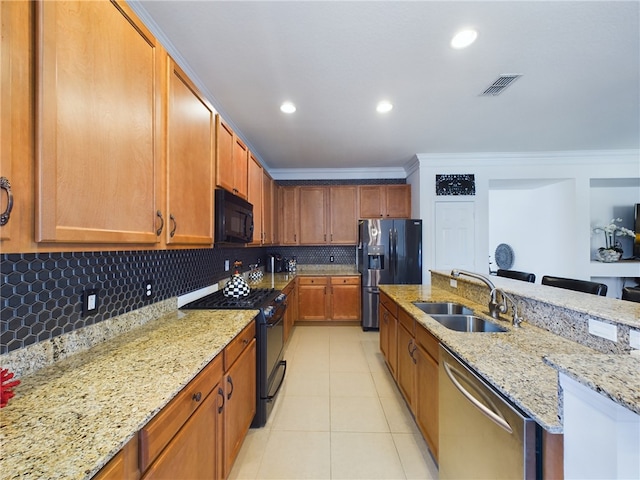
point(6, 186)
point(230, 382)
point(159, 215)
point(495, 416)
point(221, 395)
point(175, 225)
point(197, 396)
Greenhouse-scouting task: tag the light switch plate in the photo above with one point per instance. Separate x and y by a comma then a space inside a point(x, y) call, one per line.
point(634, 339)
point(453, 282)
point(89, 301)
point(604, 330)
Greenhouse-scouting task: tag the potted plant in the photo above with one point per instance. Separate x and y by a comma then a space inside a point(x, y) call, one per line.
point(612, 251)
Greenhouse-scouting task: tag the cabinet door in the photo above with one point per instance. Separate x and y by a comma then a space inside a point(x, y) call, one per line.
point(190, 129)
point(372, 201)
point(268, 217)
point(255, 198)
point(427, 398)
point(313, 223)
point(312, 298)
point(240, 167)
point(224, 155)
point(398, 201)
point(289, 215)
point(123, 465)
point(98, 129)
point(240, 403)
point(345, 298)
point(406, 365)
point(191, 452)
point(343, 218)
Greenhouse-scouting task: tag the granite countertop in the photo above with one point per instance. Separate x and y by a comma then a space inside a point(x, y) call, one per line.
point(69, 419)
point(514, 361)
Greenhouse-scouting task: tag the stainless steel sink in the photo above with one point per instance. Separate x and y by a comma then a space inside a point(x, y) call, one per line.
point(440, 308)
point(467, 323)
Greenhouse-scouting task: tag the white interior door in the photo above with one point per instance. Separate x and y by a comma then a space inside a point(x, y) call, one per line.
point(455, 235)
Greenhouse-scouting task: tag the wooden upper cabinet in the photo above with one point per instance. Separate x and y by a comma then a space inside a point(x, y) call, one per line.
point(313, 220)
point(289, 214)
point(98, 90)
point(240, 167)
point(268, 208)
point(398, 201)
point(343, 215)
point(385, 201)
point(190, 130)
point(232, 160)
point(255, 197)
point(224, 155)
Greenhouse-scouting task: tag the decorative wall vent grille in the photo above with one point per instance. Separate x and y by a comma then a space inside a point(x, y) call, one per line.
point(502, 82)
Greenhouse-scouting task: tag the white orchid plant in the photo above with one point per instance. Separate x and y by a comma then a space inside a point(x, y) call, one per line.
point(612, 231)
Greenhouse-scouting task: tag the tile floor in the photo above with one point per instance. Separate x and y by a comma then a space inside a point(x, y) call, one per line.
point(339, 416)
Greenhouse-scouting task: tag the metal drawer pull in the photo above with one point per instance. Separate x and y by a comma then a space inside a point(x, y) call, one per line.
point(159, 215)
point(494, 415)
point(6, 186)
point(230, 382)
point(175, 225)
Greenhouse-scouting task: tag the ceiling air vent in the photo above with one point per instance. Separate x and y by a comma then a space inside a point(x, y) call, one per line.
point(502, 82)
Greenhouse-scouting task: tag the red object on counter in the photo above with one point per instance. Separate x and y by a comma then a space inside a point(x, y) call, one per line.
point(6, 387)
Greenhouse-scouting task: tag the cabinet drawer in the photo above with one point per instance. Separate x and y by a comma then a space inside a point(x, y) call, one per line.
point(312, 281)
point(427, 341)
point(162, 428)
point(389, 304)
point(345, 280)
point(238, 344)
point(407, 320)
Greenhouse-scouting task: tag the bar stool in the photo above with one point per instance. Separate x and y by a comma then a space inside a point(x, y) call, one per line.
point(631, 294)
point(577, 285)
point(516, 275)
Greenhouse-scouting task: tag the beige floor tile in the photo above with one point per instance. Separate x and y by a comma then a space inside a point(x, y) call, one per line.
point(348, 357)
point(302, 382)
point(364, 456)
point(296, 455)
point(357, 414)
point(352, 384)
point(250, 456)
point(385, 385)
point(398, 415)
point(310, 414)
point(415, 457)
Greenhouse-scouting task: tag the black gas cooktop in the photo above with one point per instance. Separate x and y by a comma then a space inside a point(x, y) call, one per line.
point(257, 298)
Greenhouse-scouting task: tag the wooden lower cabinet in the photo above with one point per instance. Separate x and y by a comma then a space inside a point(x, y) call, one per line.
point(426, 404)
point(323, 298)
point(124, 465)
point(291, 314)
point(240, 403)
point(411, 354)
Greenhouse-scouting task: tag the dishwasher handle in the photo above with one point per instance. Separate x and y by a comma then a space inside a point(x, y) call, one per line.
point(495, 416)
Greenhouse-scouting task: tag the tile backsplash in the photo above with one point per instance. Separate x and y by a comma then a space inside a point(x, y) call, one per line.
point(42, 293)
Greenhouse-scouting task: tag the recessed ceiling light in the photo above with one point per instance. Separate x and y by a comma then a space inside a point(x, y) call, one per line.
point(287, 107)
point(464, 38)
point(384, 107)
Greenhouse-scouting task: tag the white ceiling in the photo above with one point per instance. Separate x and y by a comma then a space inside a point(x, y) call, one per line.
point(335, 60)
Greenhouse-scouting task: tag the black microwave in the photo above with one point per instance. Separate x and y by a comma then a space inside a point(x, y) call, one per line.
point(233, 222)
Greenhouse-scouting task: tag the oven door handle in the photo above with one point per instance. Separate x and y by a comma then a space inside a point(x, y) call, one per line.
point(276, 323)
point(284, 374)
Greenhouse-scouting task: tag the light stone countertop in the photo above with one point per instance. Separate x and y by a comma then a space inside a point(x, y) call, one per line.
point(514, 361)
point(69, 419)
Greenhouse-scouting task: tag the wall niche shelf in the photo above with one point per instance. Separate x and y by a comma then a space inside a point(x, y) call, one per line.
point(623, 268)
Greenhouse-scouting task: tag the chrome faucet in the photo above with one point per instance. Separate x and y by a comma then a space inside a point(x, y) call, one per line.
point(503, 307)
point(494, 305)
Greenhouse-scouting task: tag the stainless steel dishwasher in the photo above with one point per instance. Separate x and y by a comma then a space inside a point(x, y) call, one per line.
point(482, 435)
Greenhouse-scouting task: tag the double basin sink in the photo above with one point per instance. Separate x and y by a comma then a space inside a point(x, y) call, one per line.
point(457, 317)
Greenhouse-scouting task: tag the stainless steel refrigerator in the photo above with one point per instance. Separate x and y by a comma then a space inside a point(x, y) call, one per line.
point(389, 252)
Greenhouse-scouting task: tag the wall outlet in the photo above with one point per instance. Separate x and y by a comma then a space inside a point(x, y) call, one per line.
point(604, 330)
point(226, 265)
point(89, 301)
point(634, 338)
point(331, 258)
point(148, 289)
point(453, 283)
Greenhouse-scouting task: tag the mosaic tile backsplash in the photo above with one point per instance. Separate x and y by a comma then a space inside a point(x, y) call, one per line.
point(42, 293)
